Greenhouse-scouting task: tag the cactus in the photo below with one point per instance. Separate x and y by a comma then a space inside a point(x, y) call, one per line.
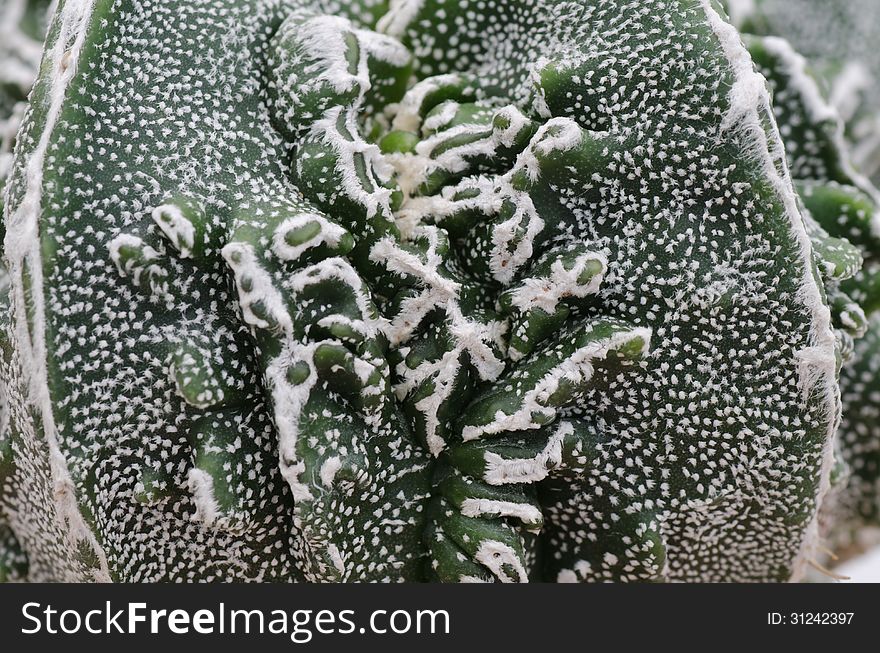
point(322, 291)
point(827, 109)
point(22, 26)
point(856, 504)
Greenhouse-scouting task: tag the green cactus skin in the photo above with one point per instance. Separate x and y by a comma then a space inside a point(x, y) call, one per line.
point(845, 203)
point(856, 504)
point(22, 26)
point(549, 310)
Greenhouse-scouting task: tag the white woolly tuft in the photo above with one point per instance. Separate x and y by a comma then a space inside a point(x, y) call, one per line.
point(400, 14)
point(495, 556)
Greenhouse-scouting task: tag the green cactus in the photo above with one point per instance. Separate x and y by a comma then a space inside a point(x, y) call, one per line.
point(856, 504)
point(22, 26)
point(341, 292)
point(811, 98)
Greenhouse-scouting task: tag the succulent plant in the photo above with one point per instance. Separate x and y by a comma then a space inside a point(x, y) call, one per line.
point(22, 26)
point(506, 290)
point(856, 504)
point(821, 101)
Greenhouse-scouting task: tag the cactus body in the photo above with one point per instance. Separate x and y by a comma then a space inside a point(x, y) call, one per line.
point(330, 292)
point(825, 103)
